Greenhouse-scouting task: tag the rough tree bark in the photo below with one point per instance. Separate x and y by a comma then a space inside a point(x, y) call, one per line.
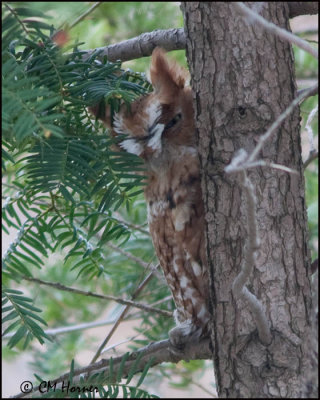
point(243, 78)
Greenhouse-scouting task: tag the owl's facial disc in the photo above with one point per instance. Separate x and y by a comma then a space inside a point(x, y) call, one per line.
point(148, 142)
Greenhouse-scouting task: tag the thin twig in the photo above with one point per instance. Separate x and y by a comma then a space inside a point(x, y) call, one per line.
point(276, 124)
point(311, 157)
point(237, 167)
point(137, 260)
point(89, 325)
point(243, 161)
point(272, 28)
point(72, 328)
point(309, 128)
point(120, 318)
point(130, 224)
point(130, 256)
point(13, 11)
point(113, 346)
point(130, 303)
point(312, 91)
point(202, 387)
point(84, 15)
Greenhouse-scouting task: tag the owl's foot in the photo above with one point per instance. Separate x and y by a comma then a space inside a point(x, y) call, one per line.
point(184, 333)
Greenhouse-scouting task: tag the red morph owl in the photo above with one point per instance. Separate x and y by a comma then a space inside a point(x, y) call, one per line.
point(160, 129)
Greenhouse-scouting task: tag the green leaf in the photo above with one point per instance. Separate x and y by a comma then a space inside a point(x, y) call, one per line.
point(66, 194)
point(121, 366)
point(145, 371)
point(17, 336)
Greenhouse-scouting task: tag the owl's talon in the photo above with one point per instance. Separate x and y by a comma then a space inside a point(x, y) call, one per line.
point(183, 334)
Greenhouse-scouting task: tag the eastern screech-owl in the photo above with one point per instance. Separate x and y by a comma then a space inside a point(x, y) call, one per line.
point(160, 129)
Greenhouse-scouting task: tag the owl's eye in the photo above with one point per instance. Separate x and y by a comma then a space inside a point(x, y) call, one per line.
point(174, 120)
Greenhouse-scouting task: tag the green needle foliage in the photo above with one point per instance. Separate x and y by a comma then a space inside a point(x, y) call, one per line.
point(110, 385)
point(22, 317)
point(68, 177)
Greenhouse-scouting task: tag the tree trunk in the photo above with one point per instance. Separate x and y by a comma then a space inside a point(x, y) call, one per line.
point(243, 79)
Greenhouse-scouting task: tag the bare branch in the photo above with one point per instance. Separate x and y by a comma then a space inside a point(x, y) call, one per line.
point(168, 39)
point(312, 91)
point(72, 328)
point(302, 8)
point(172, 39)
point(277, 123)
point(312, 156)
point(130, 303)
point(158, 352)
point(312, 149)
point(238, 165)
point(239, 289)
point(272, 28)
point(131, 339)
point(143, 45)
point(309, 128)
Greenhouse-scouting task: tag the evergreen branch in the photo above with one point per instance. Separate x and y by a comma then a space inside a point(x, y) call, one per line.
point(158, 352)
point(22, 233)
point(17, 307)
point(130, 303)
point(80, 241)
point(13, 12)
point(85, 14)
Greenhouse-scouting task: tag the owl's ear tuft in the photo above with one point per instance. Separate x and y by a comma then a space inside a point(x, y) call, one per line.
point(167, 76)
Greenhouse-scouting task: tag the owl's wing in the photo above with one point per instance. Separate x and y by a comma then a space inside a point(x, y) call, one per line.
point(178, 236)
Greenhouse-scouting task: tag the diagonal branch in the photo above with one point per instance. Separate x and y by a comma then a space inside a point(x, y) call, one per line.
point(277, 123)
point(159, 352)
point(143, 45)
point(130, 303)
